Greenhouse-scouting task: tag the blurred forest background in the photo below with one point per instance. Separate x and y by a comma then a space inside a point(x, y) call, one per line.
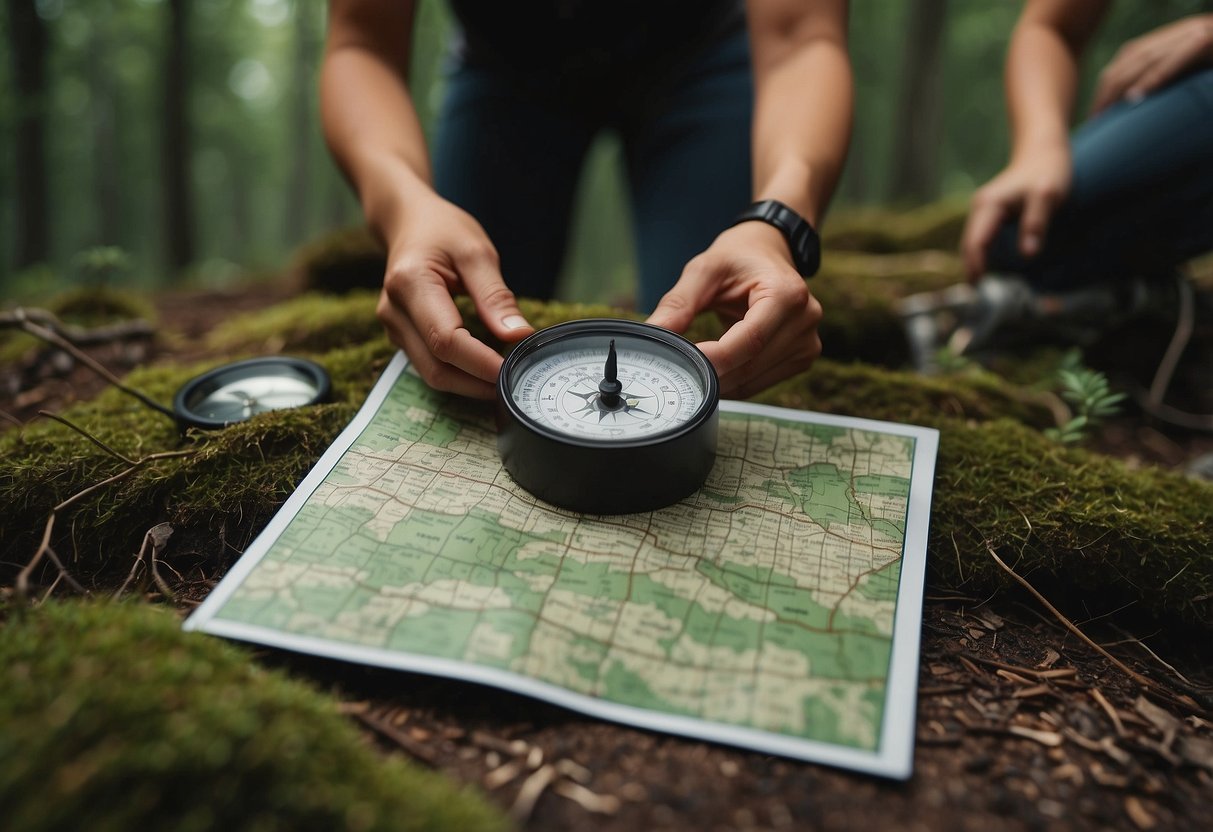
point(158, 143)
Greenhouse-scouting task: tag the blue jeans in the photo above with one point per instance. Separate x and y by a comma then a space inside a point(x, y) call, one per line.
point(1141, 200)
point(510, 146)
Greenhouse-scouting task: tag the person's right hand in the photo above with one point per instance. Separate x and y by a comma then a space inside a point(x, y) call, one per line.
point(442, 251)
point(1156, 58)
point(1030, 187)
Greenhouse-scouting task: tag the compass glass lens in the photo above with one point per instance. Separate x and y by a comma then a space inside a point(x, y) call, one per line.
point(242, 397)
point(558, 385)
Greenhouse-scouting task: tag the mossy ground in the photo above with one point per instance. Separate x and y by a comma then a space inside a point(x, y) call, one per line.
point(116, 720)
point(1096, 533)
point(1098, 526)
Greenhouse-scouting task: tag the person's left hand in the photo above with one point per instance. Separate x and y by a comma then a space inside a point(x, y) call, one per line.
point(1148, 62)
point(746, 276)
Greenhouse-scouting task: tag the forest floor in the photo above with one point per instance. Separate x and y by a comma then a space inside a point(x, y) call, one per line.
point(1021, 724)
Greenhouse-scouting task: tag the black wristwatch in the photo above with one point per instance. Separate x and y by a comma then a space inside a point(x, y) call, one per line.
point(802, 238)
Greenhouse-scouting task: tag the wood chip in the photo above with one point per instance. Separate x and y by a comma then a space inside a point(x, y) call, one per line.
point(972, 668)
point(634, 792)
point(532, 789)
point(1050, 659)
point(1046, 738)
point(1069, 771)
point(1107, 778)
point(990, 619)
point(534, 758)
point(1196, 751)
point(503, 774)
point(1014, 678)
point(1166, 723)
point(1106, 745)
point(1098, 696)
point(599, 804)
point(512, 748)
point(1136, 810)
point(1028, 693)
point(573, 770)
point(406, 743)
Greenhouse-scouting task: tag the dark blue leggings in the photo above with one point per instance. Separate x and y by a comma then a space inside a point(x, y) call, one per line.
point(510, 146)
point(1141, 201)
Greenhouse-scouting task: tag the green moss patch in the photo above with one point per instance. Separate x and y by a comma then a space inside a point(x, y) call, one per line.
point(1098, 527)
point(116, 720)
point(937, 225)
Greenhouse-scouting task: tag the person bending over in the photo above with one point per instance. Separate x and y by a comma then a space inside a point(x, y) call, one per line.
point(717, 106)
point(1130, 194)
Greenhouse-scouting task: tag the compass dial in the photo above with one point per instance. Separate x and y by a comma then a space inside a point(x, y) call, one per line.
point(235, 392)
point(558, 386)
point(607, 416)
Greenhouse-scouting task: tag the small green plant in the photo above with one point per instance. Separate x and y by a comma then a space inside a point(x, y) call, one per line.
point(98, 265)
point(1090, 395)
point(950, 362)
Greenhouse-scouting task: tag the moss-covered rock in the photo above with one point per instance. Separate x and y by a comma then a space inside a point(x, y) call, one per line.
point(1085, 522)
point(342, 260)
point(996, 477)
point(936, 225)
point(85, 307)
point(313, 322)
point(116, 720)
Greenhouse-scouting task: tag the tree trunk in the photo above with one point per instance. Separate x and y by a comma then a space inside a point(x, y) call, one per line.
point(107, 177)
point(175, 145)
point(303, 122)
point(918, 123)
point(28, 50)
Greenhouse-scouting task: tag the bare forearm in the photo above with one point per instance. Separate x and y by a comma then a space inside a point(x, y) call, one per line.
point(1042, 70)
point(370, 123)
point(803, 105)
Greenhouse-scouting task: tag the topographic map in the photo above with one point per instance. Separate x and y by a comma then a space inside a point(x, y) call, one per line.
point(777, 608)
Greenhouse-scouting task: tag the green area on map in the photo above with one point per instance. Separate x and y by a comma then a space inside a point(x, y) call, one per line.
point(766, 600)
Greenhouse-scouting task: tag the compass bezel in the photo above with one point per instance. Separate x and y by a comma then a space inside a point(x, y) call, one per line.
point(576, 471)
point(191, 394)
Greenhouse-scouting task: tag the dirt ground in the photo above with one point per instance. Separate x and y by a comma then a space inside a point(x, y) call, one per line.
point(1020, 723)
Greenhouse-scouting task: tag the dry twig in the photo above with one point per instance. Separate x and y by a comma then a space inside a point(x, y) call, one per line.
point(1144, 682)
point(25, 319)
point(44, 547)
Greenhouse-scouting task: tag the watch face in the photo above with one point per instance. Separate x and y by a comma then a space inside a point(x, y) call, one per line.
point(235, 392)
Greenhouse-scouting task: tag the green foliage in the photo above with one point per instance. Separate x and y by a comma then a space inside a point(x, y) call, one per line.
point(1091, 396)
point(116, 720)
point(100, 264)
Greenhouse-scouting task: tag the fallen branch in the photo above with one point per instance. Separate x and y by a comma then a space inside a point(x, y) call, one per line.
point(24, 319)
point(1148, 684)
point(21, 588)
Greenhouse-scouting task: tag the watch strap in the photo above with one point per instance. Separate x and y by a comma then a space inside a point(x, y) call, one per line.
point(802, 238)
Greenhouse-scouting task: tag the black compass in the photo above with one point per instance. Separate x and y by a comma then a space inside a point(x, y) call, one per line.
point(607, 416)
point(237, 391)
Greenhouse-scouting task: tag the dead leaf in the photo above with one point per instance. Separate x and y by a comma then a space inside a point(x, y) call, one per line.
point(1196, 751)
point(1137, 813)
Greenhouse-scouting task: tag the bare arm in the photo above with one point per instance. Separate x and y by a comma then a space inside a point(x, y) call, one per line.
point(435, 249)
point(1041, 82)
point(802, 125)
point(803, 101)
